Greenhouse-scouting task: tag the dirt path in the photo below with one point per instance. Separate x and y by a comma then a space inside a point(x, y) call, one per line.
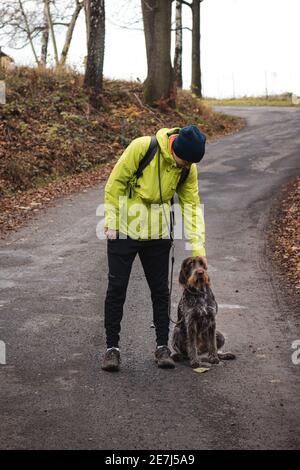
point(53, 283)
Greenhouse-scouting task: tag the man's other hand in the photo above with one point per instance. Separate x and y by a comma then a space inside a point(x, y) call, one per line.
point(110, 233)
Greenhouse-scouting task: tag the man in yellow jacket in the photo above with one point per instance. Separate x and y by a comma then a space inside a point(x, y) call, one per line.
point(135, 211)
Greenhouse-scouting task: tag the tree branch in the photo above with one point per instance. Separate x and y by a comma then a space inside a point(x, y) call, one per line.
point(124, 26)
point(61, 24)
point(28, 32)
point(184, 27)
point(47, 9)
point(70, 33)
point(186, 3)
point(145, 106)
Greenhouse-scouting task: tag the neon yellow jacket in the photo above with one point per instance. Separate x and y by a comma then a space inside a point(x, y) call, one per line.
point(140, 216)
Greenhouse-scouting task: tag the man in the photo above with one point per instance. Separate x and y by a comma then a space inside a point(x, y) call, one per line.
point(125, 196)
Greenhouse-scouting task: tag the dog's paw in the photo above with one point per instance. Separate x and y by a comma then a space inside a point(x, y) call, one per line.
point(205, 364)
point(177, 357)
point(195, 364)
point(213, 360)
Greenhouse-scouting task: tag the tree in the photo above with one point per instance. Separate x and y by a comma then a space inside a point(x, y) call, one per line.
point(62, 61)
point(23, 23)
point(93, 79)
point(196, 85)
point(178, 45)
point(45, 38)
point(51, 28)
point(69, 34)
point(28, 30)
point(87, 20)
point(159, 84)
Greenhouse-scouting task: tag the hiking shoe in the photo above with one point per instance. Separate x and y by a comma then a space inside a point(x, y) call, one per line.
point(163, 358)
point(111, 360)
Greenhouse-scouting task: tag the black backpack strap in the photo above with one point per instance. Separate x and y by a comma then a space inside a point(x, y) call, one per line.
point(149, 155)
point(184, 174)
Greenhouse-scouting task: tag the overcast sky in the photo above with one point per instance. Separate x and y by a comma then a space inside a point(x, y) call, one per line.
point(247, 47)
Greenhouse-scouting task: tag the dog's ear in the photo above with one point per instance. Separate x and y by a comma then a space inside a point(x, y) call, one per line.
point(182, 278)
point(182, 274)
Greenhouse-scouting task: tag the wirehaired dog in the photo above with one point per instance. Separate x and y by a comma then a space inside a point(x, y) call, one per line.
point(195, 331)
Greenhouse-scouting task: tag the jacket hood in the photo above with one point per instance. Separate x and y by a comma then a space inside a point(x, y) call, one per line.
point(163, 139)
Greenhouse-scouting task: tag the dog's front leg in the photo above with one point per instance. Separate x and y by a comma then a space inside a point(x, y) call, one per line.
point(192, 346)
point(212, 344)
point(178, 344)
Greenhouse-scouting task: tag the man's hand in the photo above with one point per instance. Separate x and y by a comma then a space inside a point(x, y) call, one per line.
point(110, 233)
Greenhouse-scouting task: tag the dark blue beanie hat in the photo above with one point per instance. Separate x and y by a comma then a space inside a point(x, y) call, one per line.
point(190, 144)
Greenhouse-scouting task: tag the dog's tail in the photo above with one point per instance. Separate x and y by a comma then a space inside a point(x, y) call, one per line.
point(228, 356)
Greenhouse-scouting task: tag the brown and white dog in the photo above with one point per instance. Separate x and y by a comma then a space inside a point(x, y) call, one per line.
point(195, 332)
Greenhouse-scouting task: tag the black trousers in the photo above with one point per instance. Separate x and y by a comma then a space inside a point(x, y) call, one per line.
point(154, 256)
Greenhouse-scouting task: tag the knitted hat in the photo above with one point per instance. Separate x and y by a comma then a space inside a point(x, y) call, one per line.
point(189, 145)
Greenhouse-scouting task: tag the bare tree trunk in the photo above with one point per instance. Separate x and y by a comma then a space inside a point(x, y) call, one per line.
point(45, 39)
point(159, 85)
point(87, 15)
point(93, 79)
point(196, 85)
point(69, 33)
point(178, 45)
point(87, 19)
point(51, 27)
point(28, 32)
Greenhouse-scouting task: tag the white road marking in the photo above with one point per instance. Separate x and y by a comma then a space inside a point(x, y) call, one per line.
point(231, 306)
point(231, 258)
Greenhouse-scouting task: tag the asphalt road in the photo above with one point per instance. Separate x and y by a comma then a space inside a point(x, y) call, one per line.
point(53, 282)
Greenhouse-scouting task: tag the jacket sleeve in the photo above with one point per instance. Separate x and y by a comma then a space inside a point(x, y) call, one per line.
point(192, 212)
point(122, 173)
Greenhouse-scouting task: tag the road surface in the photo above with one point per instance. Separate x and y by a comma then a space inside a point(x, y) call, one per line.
point(53, 283)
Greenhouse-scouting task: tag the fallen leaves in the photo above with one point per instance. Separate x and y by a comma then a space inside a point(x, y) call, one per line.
point(53, 143)
point(284, 234)
point(200, 370)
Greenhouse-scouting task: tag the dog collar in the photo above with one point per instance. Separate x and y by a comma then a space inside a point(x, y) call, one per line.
point(198, 292)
